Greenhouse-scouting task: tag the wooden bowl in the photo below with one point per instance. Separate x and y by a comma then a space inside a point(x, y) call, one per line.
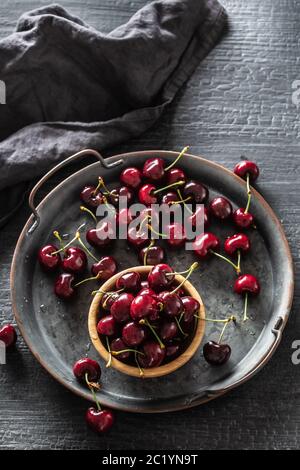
point(154, 371)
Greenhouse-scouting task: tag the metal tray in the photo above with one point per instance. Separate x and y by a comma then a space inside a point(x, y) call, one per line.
point(57, 332)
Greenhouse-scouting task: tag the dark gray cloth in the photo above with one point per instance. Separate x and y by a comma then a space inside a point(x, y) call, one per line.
point(71, 87)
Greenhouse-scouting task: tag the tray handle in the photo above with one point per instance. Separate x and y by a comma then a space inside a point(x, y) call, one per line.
point(72, 158)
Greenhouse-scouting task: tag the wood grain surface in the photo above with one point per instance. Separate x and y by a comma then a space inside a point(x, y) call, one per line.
point(239, 101)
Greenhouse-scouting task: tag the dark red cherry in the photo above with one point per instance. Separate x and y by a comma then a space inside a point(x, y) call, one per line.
point(138, 238)
point(101, 236)
point(119, 345)
point(245, 168)
point(105, 268)
point(154, 255)
point(124, 192)
point(238, 241)
point(133, 334)
point(131, 177)
point(220, 208)
point(243, 219)
point(146, 195)
point(91, 197)
point(246, 283)
point(204, 243)
point(120, 309)
point(172, 303)
point(144, 306)
point(8, 335)
point(174, 175)
point(87, 366)
point(168, 330)
point(99, 421)
point(200, 216)
point(153, 355)
point(63, 286)
point(153, 169)
point(147, 291)
point(144, 284)
point(130, 281)
point(108, 299)
point(197, 191)
point(176, 235)
point(216, 354)
point(160, 277)
point(172, 350)
point(107, 326)
point(169, 198)
point(74, 260)
point(47, 260)
point(191, 308)
point(124, 217)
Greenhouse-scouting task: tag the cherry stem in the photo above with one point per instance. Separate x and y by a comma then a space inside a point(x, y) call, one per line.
point(110, 356)
point(245, 317)
point(91, 387)
point(156, 233)
point(226, 320)
point(70, 242)
point(179, 327)
point(57, 235)
point(116, 353)
point(239, 261)
point(183, 151)
point(189, 273)
point(177, 183)
point(85, 209)
point(141, 226)
point(230, 319)
point(99, 291)
point(249, 194)
point(89, 279)
point(138, 364)
point(100, 183)
point(183, 201)
point(146, 322)
point(86, 248)
point(152, 243)
point(236, 267)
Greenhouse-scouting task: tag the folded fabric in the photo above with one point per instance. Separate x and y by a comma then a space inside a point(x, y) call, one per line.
point(69, 87)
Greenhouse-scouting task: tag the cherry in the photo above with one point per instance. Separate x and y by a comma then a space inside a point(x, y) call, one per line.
point(169, 198)
point(74, 260)
point(107, 326)
point(146, 195)
point(151, 255)
point(47, 260)
point(130, 281)
point(105, 268)
point(197, 191)
point(124, 217)
point(8, 335)
point(168, 330)
point(174, 175)
point(144, 306)
point(204, 243)
point(238, 241)
point(246, 283)
point(87, 367)
point(172, 303)
point(101, 236)
point(91, 196)
point(108, 299)
point(191, 308)
point(172, 349)
point(242, 218)
point(123, 191)
point(216, 354)
point(154, 354)
point(119, 345)
point(120, 308)
point(160, 277)
point(201, 214)
point(147, 291)
point(133, 334)
point(144, 284)
point(176, 235)
point(99, 421)
point(245, 168)
point(153, 169)
point(131, 177)
point(138, 237)
point(63, 287)
point(220, 207)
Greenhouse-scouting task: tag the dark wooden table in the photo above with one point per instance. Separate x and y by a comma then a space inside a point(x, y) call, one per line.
point(239, 101)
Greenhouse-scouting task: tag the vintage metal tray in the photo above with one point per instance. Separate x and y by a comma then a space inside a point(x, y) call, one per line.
point(57, 332)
